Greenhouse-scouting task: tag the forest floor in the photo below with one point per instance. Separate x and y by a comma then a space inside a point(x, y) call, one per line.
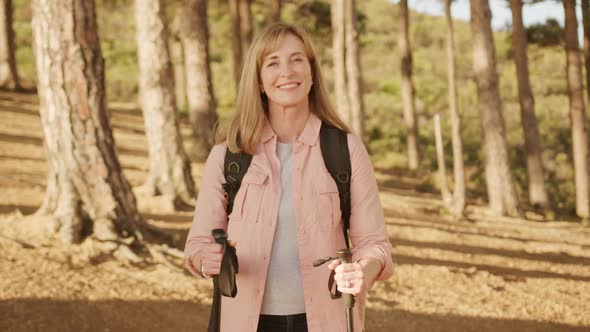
point(487, 274)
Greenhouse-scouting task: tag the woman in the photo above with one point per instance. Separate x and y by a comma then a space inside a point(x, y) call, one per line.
point(287, 211)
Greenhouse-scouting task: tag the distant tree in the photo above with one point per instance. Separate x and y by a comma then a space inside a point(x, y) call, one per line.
point(275, 10)
point(177, 57)
point(8, 74)
point(246, 30)
point(549, 33)
point(242, 31)
point(339, 58)
point(458, 199)
point(169, 169)
point(87, 192)
point(537, 192)
point(353, 70)
point(201, 99)
point(586, 25)
point(500, 183)
point(577, 110)
point(408, 87)
point(440, 161)
point(236, 37)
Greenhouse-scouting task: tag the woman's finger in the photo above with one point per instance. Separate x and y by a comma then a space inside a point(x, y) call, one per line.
point(348, 276)
point(214, 248)
point(333, 264)
point(348, 267)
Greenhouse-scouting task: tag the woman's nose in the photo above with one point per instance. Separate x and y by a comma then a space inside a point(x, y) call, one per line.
point(286, 70)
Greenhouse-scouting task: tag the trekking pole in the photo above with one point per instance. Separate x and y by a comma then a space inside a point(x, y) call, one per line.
point(220, 237)
point(345, 256)
point(224, 284)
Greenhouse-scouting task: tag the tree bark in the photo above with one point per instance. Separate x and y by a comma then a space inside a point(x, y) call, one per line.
point(170, 172)
point(577, 110)
point(586, 27)
point(275, 11)
point(8, 74)
point(458, 167)
point(537, 193)
point(339, 59)
point(236, 35)
point(500, 183)
point(245, 25)
point(86, 190)
point(201, 100)
point(408, 87)
point(353, 70)
point(177, 55)
point(440, 160)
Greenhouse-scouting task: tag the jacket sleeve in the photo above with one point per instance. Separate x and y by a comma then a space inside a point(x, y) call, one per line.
point(210, 210)
point(367, 224)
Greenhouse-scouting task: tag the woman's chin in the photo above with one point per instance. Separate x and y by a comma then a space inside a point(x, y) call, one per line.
point(290, 103)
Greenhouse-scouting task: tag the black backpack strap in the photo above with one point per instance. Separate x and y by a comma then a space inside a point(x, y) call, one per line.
point(235, 167)
point(334, 145)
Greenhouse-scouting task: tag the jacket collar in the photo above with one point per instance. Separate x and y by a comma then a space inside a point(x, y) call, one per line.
point(308, 136)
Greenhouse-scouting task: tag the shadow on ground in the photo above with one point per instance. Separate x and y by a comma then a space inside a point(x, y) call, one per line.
point(405, 321)
point(114, 315)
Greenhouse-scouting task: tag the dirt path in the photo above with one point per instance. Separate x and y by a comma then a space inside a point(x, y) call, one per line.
point(493, 274)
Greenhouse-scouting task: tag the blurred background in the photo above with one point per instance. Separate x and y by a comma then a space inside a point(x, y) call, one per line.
point(473, 112)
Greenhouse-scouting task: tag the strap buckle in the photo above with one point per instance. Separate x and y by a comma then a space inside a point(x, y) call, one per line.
point(343, 176)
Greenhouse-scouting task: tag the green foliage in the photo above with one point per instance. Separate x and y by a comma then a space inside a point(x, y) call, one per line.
point(385, 129)
point(549, 33)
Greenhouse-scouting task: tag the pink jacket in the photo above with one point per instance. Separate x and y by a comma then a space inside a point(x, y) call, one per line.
point(319, 228)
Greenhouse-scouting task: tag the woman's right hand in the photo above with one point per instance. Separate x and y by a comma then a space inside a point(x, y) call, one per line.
point(208, 261)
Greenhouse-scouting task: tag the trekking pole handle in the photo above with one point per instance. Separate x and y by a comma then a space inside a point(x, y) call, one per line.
point(345, 256)
point(219, 235)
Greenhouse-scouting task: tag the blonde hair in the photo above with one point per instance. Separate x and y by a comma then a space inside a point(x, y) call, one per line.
point(244, 130)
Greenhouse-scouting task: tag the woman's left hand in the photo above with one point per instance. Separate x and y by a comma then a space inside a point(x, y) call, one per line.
point(350, 277)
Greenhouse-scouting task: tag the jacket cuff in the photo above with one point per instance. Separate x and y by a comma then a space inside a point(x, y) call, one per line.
point(386, 264)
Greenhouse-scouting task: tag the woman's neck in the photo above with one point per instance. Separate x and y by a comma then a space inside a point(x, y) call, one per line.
point(288, 122)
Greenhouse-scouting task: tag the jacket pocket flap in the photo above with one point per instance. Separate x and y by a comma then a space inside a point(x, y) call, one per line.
point(325, 185)
point(254, 177)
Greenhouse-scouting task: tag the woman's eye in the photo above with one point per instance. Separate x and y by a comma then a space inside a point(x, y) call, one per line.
point(271, 64)
point(297, 60)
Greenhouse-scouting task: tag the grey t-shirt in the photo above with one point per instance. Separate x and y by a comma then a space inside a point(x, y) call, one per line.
point(283, 293)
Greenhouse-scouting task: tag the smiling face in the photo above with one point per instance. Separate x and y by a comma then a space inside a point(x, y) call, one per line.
point(285, 74)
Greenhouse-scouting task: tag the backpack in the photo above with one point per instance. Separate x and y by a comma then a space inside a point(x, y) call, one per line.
point(334, 146)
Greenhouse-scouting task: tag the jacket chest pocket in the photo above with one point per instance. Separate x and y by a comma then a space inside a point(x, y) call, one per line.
point(327, 203)
point(249, 198)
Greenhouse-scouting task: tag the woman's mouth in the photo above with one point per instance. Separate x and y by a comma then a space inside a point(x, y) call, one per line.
point(289, 85)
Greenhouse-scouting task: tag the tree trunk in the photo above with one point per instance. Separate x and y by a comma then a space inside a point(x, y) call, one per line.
point(245, 25)
point(440, 160)
point(408, 87)
point(236, 35)
point(500, 183)
point(86, 190)
point(201, 100)
point(177, 55)
point(353, 70)
point(170, 172)
point(577, 110)
point(8, 74)
point(338, 54)
point(586, 25)
point(275, 11)
point(537, 193)
point(458, 169)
